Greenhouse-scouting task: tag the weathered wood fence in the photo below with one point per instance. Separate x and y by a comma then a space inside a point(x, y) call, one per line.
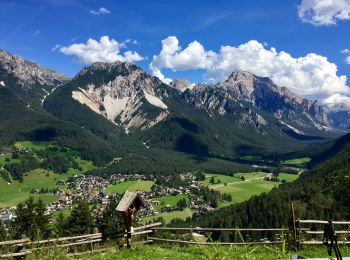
point(310, 232)
point(303, 232)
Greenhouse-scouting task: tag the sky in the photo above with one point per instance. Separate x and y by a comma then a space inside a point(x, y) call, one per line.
point(300, 44)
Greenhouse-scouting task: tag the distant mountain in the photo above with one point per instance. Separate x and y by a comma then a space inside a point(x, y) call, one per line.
point(339, 116)
point(245, 114)
point(26, 79)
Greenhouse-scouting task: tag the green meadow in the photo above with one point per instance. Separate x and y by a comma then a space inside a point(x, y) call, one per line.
point(299, 162)
point(169, 200)
point(243, 190)
point(168, 216)
point(130, 186)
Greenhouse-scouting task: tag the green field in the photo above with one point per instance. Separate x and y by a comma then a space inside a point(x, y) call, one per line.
point(169, 200)
point(168, 216)
point(130, 186)
point(251, 175)
point(250, 158)
point(300, 162)
point(243, 190)
point(34, 145)
point(222, 178)
point(288, 177)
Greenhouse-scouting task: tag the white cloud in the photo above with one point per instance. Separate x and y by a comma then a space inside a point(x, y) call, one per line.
point(173, 57)
point(105, 50)
point(57, 46)
point(337, 99)
point(324, 12)
point(347, 59)
point(102, 10)
point(311, 76)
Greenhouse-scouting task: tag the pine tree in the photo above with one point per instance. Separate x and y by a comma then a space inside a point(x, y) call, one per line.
point(111, 224)
point(3, 232)
point(60, 225)
point(80, 221)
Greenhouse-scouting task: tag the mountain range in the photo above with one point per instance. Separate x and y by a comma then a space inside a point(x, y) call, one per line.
point(111, 109)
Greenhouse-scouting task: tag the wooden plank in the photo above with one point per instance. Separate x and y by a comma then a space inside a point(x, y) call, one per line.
point(140, 233)
point(15, 254)
point(219, 229)
point(321, 242)
point(216, 243)
point(322, 232)
point(148, 226)
point(14, 242)
point(307, 221)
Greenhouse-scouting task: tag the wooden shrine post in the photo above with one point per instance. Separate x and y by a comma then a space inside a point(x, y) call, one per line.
point(129, 205)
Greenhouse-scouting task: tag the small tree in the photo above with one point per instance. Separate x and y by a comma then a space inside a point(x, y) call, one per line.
point(111, 224)
point(80, 221)
point(60, 225)
point(3, 232)
point(212, 180)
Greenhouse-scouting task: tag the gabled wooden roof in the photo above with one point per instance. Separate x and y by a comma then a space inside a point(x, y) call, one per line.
point(128, 199)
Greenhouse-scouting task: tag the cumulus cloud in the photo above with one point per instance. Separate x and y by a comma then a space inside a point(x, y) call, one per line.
point(105, 50)
point(311, 76)
point(173, 57)
point(102, 10)
point(324, 12)
point(337, 99)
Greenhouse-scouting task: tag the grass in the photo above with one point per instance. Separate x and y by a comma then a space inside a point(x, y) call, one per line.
point(166, 251)
point(169, 200)
point(300, 162)
point(251, 158)
point(34, 145)
point(242, 191)
point(131, 186)
point(222, 178)
point(288, 177)
point(168, 216)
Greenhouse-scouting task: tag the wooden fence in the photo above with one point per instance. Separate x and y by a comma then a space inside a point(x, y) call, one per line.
point(310, 232)
point(303, 232)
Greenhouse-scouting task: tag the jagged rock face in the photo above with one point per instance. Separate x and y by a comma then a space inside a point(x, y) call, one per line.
point(30, 80)
point(118, 91)
point(261, 93)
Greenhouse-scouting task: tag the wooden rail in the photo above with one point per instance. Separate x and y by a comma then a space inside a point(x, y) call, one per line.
point(214, 243)
point(219, 229)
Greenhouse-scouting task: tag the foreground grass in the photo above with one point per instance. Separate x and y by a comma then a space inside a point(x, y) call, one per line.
point(195, 252)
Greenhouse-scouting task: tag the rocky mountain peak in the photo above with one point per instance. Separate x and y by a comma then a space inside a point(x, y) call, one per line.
point(27, 74)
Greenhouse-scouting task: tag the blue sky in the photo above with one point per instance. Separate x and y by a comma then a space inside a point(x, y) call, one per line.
point(32, 28)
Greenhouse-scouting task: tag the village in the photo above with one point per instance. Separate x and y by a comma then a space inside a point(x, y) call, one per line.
point(93, 189)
